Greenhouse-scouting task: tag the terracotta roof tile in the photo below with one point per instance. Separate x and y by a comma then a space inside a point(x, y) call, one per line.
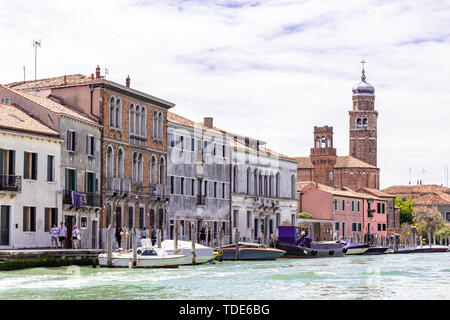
point(345, 192)
point(14, 118)
point(417, 189)
point(433, 198)
point(50, 82)
point(376, 192)
point(341, 162)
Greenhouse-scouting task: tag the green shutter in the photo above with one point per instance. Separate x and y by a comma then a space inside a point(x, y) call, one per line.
point(75, 178)
point(67, 179)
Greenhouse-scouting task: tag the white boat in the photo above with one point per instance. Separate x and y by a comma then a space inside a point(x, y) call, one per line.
point(203, 253)
point(147, 257)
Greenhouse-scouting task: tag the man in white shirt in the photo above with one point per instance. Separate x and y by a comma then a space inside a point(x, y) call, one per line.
point(62, 234)
point(54, 232)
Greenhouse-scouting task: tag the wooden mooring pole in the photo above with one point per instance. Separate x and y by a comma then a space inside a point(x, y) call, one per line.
point(158, 237)
point(221, 242)
point(429, 239)
point(175, 242)
point(109, 246)
point(134, 246)
point(434, 238)
point(193, 238)
point(236, 252)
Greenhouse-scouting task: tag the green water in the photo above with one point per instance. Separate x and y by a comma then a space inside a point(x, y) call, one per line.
point(389, 276)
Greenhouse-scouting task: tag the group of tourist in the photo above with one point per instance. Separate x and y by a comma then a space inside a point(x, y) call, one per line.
point(59, 234)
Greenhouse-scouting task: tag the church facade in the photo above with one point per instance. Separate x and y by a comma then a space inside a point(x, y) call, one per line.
point(358, 169)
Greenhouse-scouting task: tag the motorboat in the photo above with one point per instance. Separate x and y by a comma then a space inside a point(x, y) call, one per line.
point(147, 256)
point(376, 250)
point(410, 249)
point(249, 251)
point(352, 248)
point(203, 253)
point(433, 248)
point(297, 246)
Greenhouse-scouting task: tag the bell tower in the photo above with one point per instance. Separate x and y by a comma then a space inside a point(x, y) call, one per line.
point(363, 122)
point(323, 155)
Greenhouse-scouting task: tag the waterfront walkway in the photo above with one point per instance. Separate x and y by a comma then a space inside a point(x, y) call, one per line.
point(12, 254)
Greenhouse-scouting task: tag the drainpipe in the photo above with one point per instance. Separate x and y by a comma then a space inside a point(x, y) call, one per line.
point(101, 168)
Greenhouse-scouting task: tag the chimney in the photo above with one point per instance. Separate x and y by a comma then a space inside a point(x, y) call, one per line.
point(65, 79)
point(127, 81)
point(208, 122)
point(92, 76)
point(97, 72)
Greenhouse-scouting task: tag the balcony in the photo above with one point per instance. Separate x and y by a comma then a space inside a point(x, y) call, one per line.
point(201, 200)
point(10, 183)
point(118, 185)
point(82, 200)
point(137, 140)
point(159, 191)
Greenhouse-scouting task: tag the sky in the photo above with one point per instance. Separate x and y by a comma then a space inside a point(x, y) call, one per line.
point(267, 69)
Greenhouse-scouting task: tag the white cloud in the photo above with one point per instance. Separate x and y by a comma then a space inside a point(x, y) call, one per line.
point(270, 69)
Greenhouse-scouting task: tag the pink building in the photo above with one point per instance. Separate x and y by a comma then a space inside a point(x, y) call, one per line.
point(352, 213)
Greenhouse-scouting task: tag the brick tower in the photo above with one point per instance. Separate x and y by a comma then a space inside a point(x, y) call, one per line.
point(363, 122)
point(323, 155)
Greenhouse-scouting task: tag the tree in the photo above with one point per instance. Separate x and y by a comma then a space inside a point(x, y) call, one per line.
point(304, 215)
point(406, 206)
point(429, 220)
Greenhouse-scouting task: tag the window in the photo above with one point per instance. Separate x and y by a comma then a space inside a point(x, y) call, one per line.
point(358, 206)
point(214, 149)
point(192, 144)
point(162, 171)
point(359, 227)
point(90, 182)
point(384, 227)
point(71, 179)
point(379, 227)
point(235, 218)
point(353, 206)
point(143, 122)
point(206, 188)
point(71, 140)
point(50, 168)
point(120, 164)
point(182, 186)
point(335, 204)
point(223, 192)
point(118, 114)
point(278, 219)
point(336, 226)
point(223, 151)
point(215, 189)
point(29, 219)
point(171, 185)
point(235, 179)
point(293, 187)
point(30, 165)
point(153, 170)
point(192, 187)
point(343, 205)
point(141, 218)
point(354, 226)
point(132, 119)
point(109, 161)
point(293, 219)
point(378, 207)
point(5, 100)
point(248, 180)
point(90, 145)
point(447, 215)
point(383, 208)
point(112, 113)
point(249, 219)
point(51, 218)
point(130, 217)
point(83, 223)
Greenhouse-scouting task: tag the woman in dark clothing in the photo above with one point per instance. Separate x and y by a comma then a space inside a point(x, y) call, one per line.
point(202, 235)
point(118, 237)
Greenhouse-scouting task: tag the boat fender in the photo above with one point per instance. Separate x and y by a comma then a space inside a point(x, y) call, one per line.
point(331, 252)
point(345, 250)
point(306, 252)
point(313, 252)
point(139, 252)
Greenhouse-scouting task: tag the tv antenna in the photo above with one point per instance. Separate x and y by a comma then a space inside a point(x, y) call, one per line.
point(36, 44)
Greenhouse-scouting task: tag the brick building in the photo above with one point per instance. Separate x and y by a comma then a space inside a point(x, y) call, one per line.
point(358, 170)
point(133, 145)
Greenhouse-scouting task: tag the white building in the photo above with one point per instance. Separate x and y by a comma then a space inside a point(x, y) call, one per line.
point(30, 189)
point(263, 190)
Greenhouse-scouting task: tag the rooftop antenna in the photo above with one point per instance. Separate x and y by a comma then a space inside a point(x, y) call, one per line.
point(409, 176)
point(423, 172)
point(36, 44)
point(23, 73)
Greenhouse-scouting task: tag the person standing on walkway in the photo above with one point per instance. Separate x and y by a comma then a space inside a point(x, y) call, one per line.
point(144, 233)
point(75, 238)
point(54, 232)
point(62, 234)
point(118, 237)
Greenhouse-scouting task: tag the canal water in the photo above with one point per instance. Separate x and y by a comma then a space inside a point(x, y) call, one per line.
point(389, 276)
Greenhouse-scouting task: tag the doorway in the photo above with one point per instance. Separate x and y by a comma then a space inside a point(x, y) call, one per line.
point(69, 221)
point(94, 224)
point(118, 217)
point(4, 226)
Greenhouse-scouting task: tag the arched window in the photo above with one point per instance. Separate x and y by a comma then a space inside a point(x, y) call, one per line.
point(277, 184)
point(260, 186)
point(112, 112)
point(138, 121)
point(162, 171)
point(118, 114)
point(364, 121)
point(109, 162)
point(255, 182)
point(120, 163)
point(358, 121)
point(318, 142)
point(140, 165)
point(329, 144)
point(143, 122)
point(160, 125)
point(235, 179)
point(249, 176)
point(155, 125)
point(153, 170)
point(132, 118)
point(270, 185)
point(293, 187)
point(322, 142)
point(134, 167)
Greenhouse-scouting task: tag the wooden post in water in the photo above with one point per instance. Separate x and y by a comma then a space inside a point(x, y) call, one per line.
point(421, 241)
point(274, 240)
point(429, 239)
point(109, 246)
point(133, 244)
point(434, 238)
point(175, 242)
point(158, 237)
point(440, 239)
point(395, 243)
point(236, 252)
point(221, 235)
point(193, 238)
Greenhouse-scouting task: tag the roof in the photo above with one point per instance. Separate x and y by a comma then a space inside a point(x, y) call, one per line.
point(417, 189)
point(50, 82)
point(174, 118)
point(51, 105)
point(433, 198)
point(341, 162)
point(376, 192)
point(12, 117)
point(344, 192)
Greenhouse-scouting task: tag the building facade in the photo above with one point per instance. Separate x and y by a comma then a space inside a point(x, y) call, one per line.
point(198, 174)
point(30, 188)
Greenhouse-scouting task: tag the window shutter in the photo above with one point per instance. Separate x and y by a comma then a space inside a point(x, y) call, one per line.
point(75, 180)
point(74, 141)
point(24, 218)
point(32, 219)
point(34, 159)
point(86, 187)
point(46, 223)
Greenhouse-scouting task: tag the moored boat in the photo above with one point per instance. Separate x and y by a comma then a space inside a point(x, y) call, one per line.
point(435, 248)
point(250, 251)
point(203, 253)
point(355, 248)
point(146, 257)
point(376, 250)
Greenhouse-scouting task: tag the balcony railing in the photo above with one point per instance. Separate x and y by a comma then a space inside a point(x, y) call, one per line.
point(159, 190)
point(10, 183)
point(201, 200)
point(81, 200)
point(118, 185)
point(137, 140)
